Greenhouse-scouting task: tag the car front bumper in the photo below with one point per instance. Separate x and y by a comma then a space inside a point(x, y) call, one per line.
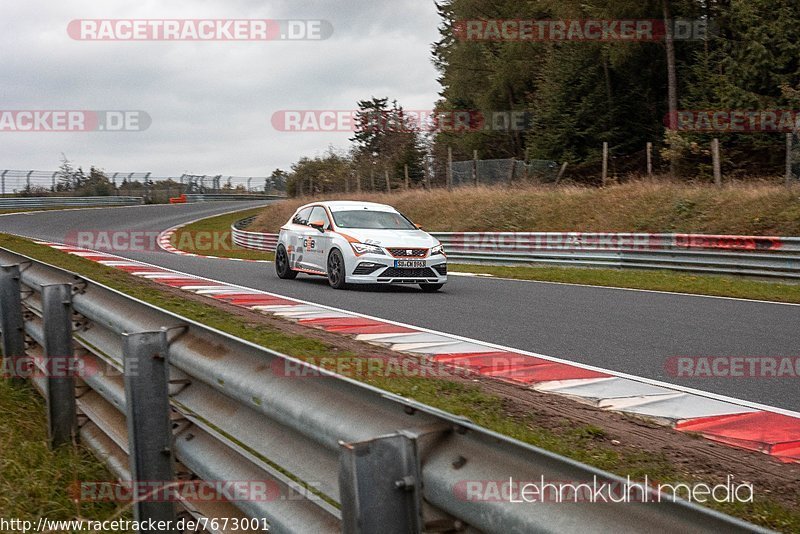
point(378, 269)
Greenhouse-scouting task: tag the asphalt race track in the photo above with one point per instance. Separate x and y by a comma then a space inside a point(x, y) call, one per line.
point(633, 332)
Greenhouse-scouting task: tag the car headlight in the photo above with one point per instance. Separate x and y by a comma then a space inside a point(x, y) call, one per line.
point(363, 248)
point(438, 249)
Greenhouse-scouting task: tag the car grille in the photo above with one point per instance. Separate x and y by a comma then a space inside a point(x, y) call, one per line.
point(441, 269)
point(395, 272)
point(408, 252)
point(366, 268)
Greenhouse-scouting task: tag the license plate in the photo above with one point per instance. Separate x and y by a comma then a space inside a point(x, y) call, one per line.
point(414, 264)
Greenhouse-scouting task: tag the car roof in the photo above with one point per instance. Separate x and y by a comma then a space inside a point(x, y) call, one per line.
point(339, 205)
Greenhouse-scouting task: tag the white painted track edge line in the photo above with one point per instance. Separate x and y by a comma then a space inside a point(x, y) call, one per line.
point(573, 284)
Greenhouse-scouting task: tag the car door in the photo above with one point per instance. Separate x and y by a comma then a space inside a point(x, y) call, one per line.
point(296, 238)
point(317, 244)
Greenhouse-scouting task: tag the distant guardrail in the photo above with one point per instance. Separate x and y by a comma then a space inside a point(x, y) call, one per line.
point(54, 202)
point(217, 197)
point(718, 254)
point(252, 240)
point(161, 398)
point(715, 254)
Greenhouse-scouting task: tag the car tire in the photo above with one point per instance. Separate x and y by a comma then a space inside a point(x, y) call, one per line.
point(431, 288)
point(282, 268)
point(336, 270)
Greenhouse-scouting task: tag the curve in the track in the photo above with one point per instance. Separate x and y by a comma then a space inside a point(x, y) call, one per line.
point(633, 332)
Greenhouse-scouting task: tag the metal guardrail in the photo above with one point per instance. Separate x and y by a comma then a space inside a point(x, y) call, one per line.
point(215, 197)
point(13, 181)
point(341, 455)
point(48, 202)
point(718, 254)
point(715, 254)
point(252, 240)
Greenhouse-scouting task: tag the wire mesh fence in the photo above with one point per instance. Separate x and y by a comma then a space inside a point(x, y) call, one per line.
point(32, 183)
point(502, 171)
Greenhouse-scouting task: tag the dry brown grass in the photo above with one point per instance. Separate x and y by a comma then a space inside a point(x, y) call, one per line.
point(742, 208)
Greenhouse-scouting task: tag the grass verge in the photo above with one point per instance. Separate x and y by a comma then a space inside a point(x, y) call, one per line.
point(695, 284)
point(34, 480)
point(194, 238)
point(584, 443)
point(659, 207)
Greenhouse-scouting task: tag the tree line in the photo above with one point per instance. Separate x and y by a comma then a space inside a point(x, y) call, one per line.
point(580, 94)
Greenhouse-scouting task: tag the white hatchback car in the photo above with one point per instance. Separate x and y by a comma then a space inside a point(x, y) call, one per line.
point(359, 243)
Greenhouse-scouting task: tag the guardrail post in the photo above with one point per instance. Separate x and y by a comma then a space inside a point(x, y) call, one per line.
point(12, 328)
point(146, 377)
point(58, 357)
point(379, 485)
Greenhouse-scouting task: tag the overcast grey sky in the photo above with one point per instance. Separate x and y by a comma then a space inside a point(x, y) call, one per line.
point(210, 102)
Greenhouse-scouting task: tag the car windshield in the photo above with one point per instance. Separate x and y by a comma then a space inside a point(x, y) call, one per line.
point(376, 220)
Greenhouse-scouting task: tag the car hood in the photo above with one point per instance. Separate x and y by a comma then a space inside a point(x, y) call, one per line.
point(392, 238)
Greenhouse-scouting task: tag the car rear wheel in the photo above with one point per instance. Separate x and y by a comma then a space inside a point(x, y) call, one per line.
point(431, 288)
point(282, 268)
point(336, 270)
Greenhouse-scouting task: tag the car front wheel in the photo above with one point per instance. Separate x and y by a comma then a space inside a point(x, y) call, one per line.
point(282, 268)
point(336, 270)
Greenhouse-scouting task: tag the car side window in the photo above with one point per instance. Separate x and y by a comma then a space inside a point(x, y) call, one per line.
point(319, 214)
point(302, 216)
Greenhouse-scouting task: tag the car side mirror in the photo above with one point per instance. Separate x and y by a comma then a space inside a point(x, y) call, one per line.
point(319, 225)
point(419, 226)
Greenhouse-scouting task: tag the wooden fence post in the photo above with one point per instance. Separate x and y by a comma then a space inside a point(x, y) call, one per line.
point(475, 167)
point(449, 168)
point(427, 171)
point(716, 161)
